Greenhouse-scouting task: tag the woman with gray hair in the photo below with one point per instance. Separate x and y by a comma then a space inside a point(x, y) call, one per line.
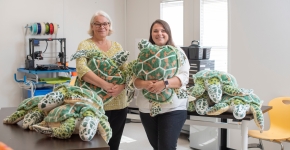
point(116, 109)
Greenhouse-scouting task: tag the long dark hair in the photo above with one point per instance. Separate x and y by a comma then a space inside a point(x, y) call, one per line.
point(167, 30)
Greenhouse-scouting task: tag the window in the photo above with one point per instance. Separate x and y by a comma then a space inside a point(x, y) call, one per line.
point(172, 13)
point(214, 30)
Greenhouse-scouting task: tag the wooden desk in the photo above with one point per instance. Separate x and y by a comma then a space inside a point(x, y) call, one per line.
point(19, 139)
point(243, 124)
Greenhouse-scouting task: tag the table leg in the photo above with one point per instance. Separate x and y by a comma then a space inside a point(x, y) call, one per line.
point(223, 136)
point(244, 135)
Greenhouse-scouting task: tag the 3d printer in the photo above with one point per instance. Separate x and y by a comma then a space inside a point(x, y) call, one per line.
point(33, 55)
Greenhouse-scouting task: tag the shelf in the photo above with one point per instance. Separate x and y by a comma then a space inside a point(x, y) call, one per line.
point(70, 69)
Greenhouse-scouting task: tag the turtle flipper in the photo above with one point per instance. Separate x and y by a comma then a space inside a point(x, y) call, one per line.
point(218, 109)
point(235, 91)
point(191, 106)
point(215, 92)
point(88, 126)
point(155, 109)
point(201, 106)
point(15, 117)
point(104, 129)
point(32, 117)
point(240, 110)
point(258, 116)
point(196, 90)
point(66, 129)
point(43, 130)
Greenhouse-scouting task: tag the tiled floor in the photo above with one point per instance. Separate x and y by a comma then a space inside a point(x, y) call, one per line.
point(134, 138)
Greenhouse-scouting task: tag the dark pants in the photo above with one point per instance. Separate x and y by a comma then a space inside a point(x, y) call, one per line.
point(117, 120)
point(163, 130)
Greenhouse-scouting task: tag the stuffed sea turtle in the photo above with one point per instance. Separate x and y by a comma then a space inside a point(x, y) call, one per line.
point(129, 80)
point(104, 67)
point(157, 63)
point(28, 112)
point(200, 104)
point(216, 83)
point(81, 112)
point(240, 106)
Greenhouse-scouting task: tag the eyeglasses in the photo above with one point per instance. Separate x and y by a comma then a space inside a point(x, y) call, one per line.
point(99, 25)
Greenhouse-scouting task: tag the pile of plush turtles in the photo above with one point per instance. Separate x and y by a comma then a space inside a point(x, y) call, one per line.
point(216, 92)
point(65, 111)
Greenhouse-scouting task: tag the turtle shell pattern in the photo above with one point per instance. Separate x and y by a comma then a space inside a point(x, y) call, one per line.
point(103, 67)
point(29, 103)
point(74, 94)
point(156, 63)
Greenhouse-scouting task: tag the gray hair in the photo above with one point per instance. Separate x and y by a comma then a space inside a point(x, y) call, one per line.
point(100, 13)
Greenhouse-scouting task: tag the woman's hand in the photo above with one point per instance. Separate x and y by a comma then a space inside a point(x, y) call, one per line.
point(116, 90)
point(148, 84)
point(107, 86)
point(157, 87)
point(142, 84)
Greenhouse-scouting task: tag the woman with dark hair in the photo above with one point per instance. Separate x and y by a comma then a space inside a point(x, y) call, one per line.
point(163, 130)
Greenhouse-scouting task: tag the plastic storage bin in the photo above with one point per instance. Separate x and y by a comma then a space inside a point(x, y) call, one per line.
point(40, 91)
point(206, 52)
point(196, 52)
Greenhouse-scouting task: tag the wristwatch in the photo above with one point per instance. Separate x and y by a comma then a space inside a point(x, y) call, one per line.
point(166, 83)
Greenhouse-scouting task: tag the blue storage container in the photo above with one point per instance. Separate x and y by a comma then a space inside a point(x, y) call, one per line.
point(40, 91)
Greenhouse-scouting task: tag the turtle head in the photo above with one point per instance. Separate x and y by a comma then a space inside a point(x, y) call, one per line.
point(240, 111)
point(121, 57)
point(144, 44)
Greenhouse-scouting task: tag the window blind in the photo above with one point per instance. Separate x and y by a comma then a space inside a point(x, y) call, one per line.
point(214, 30)
point(172, 13)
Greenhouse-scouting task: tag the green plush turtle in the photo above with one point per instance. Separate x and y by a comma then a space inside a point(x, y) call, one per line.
point(28, 112)
point(199, 88)
point(81, 111)
point(157, 63)
point(240, 106)
point(200, 104)
point(216, 83)
point(105, 68)
point(129, 80)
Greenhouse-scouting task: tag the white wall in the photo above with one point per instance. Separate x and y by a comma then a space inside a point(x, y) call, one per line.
point(73, 17)
point(140, 14)
point(259, 52)
point(191, 20)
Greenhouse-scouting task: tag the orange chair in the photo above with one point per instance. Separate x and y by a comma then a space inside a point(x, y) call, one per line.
point(279, 130)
